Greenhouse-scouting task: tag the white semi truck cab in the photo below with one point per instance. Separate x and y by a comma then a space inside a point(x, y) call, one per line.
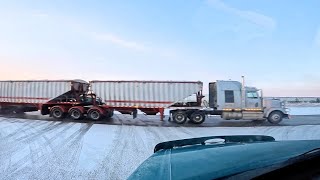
point(233, 100)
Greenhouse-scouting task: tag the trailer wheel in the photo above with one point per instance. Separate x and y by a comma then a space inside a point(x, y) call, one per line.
point(76, 114)
point(57, 113)
point(275, 117)
point(94, 114)
point(197, 117)
point(179, 117)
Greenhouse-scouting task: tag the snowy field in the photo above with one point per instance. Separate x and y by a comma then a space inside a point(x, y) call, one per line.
point(304, 110)
point(34, 149)
point(303, 104)
point(46, 149)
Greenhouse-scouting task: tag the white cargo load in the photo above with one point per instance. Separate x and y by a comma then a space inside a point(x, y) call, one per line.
point(144, 94)
point(39, 91)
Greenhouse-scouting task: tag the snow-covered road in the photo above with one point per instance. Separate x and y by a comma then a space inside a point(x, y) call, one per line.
point(34, 149)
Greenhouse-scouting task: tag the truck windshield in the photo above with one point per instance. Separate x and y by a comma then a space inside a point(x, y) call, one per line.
point(252, 94)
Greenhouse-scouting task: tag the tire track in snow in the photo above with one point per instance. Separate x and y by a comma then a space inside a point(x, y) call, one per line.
point(154, 133)
point(47, 129)
point(63, 165)
point(139, 138)
point(138, 151)
point(150, 139)
point(170, 133)
point(33, 137)
point(23, 128)
point(16, 166)
point(13, 120)
point(76, 144)
point(13, 146)
point(119, 154)
point(125, 153)
point(5, 120)
point(187, 131)
point(10, 147)
point(129, 154)
point(101, 171)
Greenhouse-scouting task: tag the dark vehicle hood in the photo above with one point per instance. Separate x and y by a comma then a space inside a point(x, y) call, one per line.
point(219, 160)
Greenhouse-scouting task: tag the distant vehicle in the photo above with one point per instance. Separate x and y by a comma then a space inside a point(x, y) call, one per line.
point(74, 98)
point(232, 157)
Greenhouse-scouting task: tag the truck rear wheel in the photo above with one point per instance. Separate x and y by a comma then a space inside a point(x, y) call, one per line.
point(275, 117)
point(76, 114)
point(95, 114)
point(179, 117)
point(57, 113)
point(197, 117)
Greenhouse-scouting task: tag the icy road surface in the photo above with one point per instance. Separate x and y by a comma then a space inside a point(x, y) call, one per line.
point(34, 149)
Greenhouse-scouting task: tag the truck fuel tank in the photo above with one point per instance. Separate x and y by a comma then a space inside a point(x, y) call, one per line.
point(245, 115)
point(231, 115)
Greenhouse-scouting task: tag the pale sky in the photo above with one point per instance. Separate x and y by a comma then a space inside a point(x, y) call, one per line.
point(275, 44)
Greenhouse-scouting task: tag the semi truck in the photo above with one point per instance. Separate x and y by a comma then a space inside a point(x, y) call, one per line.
point(99, 99)
point(232, 100)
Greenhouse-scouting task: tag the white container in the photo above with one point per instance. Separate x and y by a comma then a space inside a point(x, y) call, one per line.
point(144, 94)
point(35, 91)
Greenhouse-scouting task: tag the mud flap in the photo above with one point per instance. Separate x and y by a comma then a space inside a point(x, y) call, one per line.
point(286, 116)
point(135, 113)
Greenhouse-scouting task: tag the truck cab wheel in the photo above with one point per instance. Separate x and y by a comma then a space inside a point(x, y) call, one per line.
point(197, 117)
point(179, 117)
point(76, 114)
point(95, 114)
point(275, 117)
point(57, 113)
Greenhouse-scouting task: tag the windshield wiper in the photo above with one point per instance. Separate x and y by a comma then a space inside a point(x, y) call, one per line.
point(204, 141)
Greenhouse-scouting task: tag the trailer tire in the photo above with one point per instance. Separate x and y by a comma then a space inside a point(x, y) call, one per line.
point(57, 113)
point(76, 114)
point(275, 117)
point(179, 117)
point(197, 117)
point(95, 114)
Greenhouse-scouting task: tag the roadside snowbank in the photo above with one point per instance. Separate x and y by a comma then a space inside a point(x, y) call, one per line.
point(304, 110)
